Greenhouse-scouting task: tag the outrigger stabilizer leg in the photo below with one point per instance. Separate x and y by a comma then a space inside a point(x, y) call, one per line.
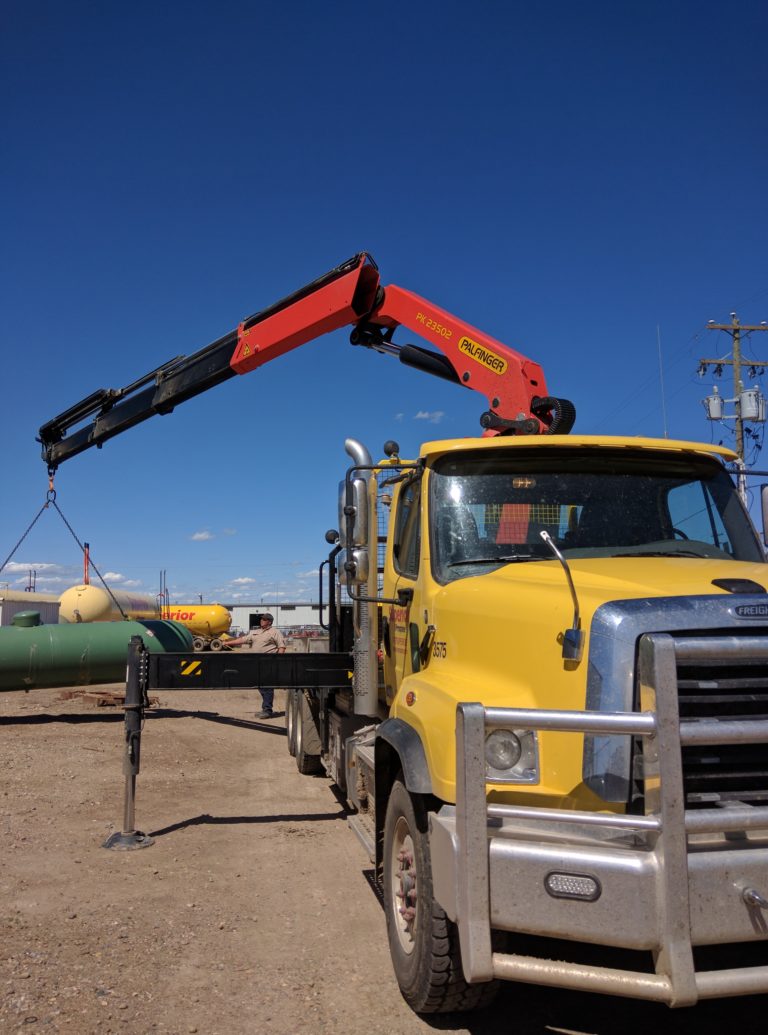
point(129, 839)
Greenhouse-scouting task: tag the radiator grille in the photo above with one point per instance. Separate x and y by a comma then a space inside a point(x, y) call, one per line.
point(724, 689)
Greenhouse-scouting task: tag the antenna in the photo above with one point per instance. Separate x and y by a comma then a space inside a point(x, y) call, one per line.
point(661, 381)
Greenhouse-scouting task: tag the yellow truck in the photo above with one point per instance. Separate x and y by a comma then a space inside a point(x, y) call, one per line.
point(570, 757)
point(546, 695)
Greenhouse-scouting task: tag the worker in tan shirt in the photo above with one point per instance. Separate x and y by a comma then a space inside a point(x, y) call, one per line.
point(264, 640)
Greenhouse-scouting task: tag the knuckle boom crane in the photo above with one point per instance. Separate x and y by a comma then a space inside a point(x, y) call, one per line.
point(349, 295)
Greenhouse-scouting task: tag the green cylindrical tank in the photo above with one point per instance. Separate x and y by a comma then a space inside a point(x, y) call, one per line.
point(34, 655)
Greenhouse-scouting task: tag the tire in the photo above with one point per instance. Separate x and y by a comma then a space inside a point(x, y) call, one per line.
point(307, 739)
point(290, 720)
point(198, 643)
point(423, 942)
point(215, 643)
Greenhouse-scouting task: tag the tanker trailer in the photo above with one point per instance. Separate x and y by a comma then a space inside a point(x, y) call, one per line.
point(34, 656)
point(207, 622)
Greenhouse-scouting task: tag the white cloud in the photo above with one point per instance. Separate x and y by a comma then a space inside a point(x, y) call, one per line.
point(131, 583)
point(113, 576)
point(307, 574)
point(244, 581)
point(399, 416)
point(201, 537)
point(13, 567)
point(433, 418)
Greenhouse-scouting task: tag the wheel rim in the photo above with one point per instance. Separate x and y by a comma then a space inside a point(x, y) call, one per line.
point(403, 886)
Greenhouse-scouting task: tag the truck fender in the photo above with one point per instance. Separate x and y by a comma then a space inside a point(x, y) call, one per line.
point(407, 744)
point(398, 747)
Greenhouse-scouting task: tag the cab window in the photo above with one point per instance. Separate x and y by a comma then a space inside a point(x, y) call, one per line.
point(408, 530)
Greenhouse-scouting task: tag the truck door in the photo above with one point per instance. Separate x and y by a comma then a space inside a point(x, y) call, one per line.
point(403, 635)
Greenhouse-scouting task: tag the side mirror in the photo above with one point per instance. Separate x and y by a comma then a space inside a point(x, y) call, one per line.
point(352, 567)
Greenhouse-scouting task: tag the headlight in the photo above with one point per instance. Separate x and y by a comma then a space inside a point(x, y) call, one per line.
point(502, 749)
point(511, 756)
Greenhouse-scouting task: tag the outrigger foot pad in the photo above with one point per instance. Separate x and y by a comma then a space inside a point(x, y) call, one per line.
point(122, 841)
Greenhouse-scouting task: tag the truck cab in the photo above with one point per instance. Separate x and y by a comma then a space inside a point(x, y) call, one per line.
point(486, 603)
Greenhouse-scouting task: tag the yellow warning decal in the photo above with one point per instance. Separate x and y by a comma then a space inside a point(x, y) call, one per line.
point(191, 668)
point(480, 354)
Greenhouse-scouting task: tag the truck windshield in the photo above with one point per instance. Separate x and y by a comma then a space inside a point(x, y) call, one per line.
point(488, 509)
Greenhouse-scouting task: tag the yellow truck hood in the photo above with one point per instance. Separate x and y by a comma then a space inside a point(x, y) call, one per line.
point(503, 630)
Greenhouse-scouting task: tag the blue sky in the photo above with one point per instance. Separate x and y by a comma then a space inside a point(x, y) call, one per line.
point(567, 177)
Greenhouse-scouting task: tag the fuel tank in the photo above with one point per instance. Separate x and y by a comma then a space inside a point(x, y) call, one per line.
point(93, 604)
point(78, 654)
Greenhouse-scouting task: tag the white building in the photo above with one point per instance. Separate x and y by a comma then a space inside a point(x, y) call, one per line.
point(245, 616)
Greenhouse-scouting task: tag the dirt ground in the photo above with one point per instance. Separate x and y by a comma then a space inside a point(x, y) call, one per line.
point(253, 912)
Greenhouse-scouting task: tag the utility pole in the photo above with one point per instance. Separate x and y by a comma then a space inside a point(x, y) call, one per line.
point(747, 405)
point(735, 329)
point(750, 405)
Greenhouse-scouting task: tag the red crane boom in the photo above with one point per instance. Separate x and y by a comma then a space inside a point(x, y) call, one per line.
point(349, 295)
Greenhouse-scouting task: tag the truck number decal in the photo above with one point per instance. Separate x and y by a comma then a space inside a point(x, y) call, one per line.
point(439, 649)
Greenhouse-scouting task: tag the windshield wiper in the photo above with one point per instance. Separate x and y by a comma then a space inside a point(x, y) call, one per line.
point(506, 559)
point(662, 553)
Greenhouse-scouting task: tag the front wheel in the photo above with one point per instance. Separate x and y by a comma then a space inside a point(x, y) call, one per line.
point(423, 942)
point(307, 738)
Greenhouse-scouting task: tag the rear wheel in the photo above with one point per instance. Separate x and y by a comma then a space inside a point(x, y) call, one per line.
point(423, 942)
point(215, 643)
point(308, 744)
point(198, 643)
